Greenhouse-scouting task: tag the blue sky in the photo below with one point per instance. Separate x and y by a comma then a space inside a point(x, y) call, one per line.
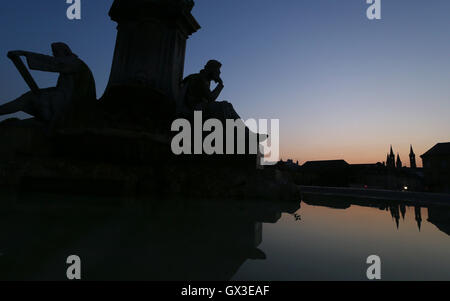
point(341, 85)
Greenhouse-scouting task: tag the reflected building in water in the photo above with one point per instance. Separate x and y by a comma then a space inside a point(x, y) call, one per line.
point(440, 217)
point(396, 209)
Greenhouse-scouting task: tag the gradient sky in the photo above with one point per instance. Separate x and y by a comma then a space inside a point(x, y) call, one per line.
point(342, 86)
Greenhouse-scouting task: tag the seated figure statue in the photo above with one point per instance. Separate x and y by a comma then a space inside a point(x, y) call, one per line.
point(55, 106)
point(199, 97)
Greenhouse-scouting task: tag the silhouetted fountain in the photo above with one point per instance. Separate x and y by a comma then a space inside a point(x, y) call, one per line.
point(126, 148)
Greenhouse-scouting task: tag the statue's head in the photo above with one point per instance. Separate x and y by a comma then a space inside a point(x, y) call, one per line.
point(212, 69)
point(61, 50)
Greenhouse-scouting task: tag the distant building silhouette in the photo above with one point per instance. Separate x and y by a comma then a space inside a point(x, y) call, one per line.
point(436, 166)
point(291, 162)
point(391, 174)
point(326, 164)
point(334, 173)
point(288, 165)
point(412, 158)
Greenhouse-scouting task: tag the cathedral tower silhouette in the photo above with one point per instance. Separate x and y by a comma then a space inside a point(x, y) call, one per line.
point(399, 162)
point(390, 160)
point(412, 158)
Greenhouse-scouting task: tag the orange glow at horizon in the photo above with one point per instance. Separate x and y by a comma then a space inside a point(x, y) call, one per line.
point(352, 155)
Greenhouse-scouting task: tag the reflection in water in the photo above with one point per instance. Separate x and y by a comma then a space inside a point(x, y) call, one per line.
point(396, 209)
point(329, 238)
point(336, 235)
point(440, 217)
point(418, 216)
point(173, 240)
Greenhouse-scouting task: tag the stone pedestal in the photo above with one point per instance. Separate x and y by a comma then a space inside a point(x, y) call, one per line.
point(151, 43)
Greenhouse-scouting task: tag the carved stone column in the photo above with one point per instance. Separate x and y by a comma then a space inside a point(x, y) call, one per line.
point(151, 43)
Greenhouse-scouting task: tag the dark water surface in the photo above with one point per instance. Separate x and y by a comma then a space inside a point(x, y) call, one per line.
point(318, 238)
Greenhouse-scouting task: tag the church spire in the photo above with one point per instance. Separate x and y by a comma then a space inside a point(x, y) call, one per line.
point(399, 162)
point(390, 162)
point(412, 158)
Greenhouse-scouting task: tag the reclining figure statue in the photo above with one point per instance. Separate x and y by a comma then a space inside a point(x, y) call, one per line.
point(59, 106)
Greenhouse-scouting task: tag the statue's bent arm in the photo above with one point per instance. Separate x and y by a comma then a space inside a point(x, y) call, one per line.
point(212, 95)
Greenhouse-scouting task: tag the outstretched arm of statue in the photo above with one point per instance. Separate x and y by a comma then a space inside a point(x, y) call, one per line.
point(16, 53)
point(48, 63)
